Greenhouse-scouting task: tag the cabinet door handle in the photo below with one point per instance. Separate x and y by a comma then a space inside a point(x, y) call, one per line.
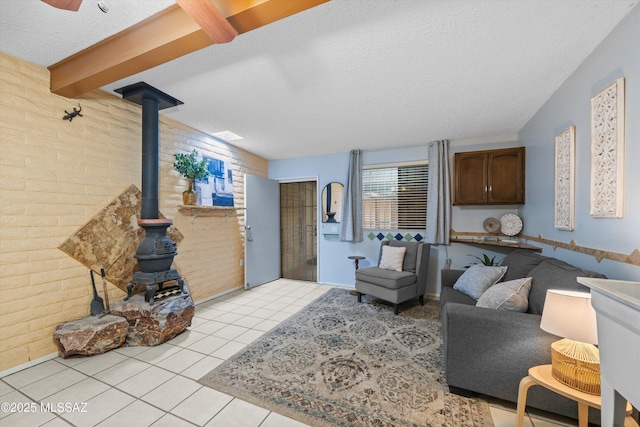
point(490, 189)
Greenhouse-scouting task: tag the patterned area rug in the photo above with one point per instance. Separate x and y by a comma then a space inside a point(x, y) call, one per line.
point(341, 363)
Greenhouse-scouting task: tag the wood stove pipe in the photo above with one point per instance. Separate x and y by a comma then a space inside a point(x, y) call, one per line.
point(152, 100)
point(150, 133)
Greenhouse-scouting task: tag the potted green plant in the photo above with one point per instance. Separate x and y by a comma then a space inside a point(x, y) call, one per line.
point(485, 260)
point(192, 167)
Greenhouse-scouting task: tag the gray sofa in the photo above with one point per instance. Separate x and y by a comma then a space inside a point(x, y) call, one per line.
point(489, 351)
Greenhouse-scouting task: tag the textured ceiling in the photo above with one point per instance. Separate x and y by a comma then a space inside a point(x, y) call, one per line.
point(347, 74)
point(37, 32)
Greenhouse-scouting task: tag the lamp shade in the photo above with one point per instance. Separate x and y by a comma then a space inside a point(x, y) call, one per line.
point(569, 314)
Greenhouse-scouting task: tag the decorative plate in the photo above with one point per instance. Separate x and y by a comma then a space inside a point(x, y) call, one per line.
point(510, 224)
point(491, 225)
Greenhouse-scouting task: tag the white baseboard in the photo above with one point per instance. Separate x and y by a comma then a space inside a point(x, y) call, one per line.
point(218, 295)
point(338, 285)
point(28, 364)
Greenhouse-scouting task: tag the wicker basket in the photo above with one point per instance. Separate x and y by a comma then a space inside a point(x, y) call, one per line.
point(577, 365)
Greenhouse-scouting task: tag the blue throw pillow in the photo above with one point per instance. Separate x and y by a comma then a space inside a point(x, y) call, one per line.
point(512, 295)
point(477, 279)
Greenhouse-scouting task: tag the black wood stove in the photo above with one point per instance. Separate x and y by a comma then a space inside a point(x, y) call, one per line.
point(156, 250)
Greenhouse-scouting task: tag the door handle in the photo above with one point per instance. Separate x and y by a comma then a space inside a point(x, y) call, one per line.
point(311, 229)
point(248, 233)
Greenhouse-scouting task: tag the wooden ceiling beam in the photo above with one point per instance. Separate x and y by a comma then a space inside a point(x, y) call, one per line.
point(163, 37)
point(268, 12)
point(71, 5)
point(209, 19)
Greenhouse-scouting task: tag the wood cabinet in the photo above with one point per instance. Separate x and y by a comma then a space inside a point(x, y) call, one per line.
point(489, 177)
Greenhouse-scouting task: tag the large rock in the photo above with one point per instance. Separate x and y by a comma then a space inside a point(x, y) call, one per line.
point(157, 323)
point(90, 335)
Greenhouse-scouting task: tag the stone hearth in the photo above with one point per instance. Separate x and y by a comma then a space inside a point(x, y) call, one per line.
point(154, 324)
point(132, 322)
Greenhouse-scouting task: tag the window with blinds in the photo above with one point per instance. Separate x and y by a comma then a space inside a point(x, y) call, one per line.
point(395, 197)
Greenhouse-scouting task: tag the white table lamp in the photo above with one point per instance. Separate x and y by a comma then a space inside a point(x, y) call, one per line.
point(575, 360)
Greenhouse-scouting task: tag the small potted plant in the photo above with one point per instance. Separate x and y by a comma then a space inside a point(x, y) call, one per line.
point(485, 260)
point(192, 167)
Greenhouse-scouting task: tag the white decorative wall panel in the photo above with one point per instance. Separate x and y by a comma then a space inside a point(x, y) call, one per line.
point(607, 151)
point(565, 173)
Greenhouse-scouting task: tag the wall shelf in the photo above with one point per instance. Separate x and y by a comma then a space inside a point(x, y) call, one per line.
point(196, 210)
point(330, 230)
point(501, 241)
point(632, 258)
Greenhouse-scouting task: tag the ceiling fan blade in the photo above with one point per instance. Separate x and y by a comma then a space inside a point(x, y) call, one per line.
point(72, 5)
point(209, 19)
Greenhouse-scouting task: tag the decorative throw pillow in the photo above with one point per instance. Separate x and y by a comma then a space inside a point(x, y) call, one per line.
point(477, 279)
point(512, 295)
point(392, 258)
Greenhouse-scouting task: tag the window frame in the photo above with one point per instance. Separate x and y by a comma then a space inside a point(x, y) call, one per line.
point(377, 227)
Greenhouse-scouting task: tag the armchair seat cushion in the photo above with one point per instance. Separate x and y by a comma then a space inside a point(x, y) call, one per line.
point(386, 278)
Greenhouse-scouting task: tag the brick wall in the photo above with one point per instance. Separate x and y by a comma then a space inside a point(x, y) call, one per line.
point(56, 174)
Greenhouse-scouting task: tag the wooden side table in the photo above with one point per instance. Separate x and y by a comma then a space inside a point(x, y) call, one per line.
point(541, 375)
point(357, 259)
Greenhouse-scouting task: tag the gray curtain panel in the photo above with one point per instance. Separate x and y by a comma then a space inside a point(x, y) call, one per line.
point(351, 224)
point(439, 194)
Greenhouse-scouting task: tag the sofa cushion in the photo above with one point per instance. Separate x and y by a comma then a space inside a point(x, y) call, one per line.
point(392, 258)
point(512, 295)
point(411, 256)
point(386, 278)
point(448, 294)
point(520, 262)
point(477, 279)
point(554, 274)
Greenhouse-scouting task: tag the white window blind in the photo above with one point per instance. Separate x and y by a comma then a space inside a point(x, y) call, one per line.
point(395, 197)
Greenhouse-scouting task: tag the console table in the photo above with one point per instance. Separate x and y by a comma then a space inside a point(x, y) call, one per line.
point(617, 306)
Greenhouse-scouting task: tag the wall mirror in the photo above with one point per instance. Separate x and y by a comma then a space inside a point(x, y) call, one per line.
point(332, 202)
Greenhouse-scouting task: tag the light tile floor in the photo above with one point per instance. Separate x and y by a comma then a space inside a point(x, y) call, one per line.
point(157, 386)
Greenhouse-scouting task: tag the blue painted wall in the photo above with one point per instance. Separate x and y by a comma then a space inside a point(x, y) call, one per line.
point(618, 55)
point(333, 265)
